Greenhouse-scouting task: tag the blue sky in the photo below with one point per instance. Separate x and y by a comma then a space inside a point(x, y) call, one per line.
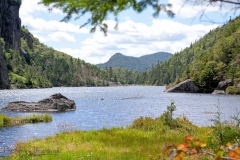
point(137, 34)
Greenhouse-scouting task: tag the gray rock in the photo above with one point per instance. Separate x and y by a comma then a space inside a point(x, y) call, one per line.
point(28, 37)
point(24, 54)
point(55, 103)
point(224, 84)
point(184, 87)
point(219, 92)
point(10, 23)
point(10, 31)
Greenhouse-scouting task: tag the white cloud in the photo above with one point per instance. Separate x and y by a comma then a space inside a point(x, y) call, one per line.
point(137, 39)
point(92, 56)
point(56, 37)
point(40, 25)
point(132, 39)
point(29, 7)
point(195, 8)
point(30, 14)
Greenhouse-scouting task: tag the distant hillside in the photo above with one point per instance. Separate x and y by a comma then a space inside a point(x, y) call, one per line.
point(38, 66)
point(133, 63)
point(213, 58)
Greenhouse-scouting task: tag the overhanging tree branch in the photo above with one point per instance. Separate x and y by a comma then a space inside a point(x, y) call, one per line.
point(99, 10)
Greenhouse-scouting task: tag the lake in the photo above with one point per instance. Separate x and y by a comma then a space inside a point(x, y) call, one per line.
point(99, 107)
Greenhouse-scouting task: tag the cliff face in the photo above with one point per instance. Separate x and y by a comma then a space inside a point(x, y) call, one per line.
point(10, 31)
point(10, 23)
point(4, 81)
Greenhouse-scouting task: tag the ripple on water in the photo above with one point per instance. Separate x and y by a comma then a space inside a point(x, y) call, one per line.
point(99, 107)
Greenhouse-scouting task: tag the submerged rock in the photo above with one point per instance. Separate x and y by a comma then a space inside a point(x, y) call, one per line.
point(184, 87)
point(54, 103)
point(219, 92)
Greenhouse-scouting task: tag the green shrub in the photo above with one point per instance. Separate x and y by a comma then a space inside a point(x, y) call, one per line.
point(232, 90)
point(4, 120)
point(168, 116)
point(144, 123)
point(224, 131)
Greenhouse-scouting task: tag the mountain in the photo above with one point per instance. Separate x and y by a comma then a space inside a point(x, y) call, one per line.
point(39, 66)
point(213, 58)
point(136, 64)
point(27, 63)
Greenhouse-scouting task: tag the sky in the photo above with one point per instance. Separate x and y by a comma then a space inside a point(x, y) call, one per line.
point(137, 34)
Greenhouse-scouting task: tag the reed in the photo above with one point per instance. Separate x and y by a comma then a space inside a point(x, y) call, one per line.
point(145, 139)
point(11, 121)
point(4, 119)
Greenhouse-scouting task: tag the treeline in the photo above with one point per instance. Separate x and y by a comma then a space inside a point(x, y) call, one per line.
point(36, 65)
point(213, 58)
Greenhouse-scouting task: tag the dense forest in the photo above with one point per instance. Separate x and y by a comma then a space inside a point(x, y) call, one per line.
point(213, 58)
point(39, 66)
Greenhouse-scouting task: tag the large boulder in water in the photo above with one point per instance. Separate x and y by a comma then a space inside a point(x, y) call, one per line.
point(184, 87)
point(54, 103)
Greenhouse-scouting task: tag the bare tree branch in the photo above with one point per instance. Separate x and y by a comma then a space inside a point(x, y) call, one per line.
point(229, 5)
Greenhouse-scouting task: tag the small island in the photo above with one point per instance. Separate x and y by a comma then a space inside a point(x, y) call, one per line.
point(55, 103)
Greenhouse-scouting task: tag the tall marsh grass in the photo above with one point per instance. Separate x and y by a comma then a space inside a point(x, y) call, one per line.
point(144, 139)
point(4, 119)
point(9, 121)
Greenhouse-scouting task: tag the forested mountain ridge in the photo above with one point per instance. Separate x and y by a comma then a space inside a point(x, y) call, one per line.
point(134, 63)
point(27, 63)
point(37, 65)
point(40, 66)
point(213, 58)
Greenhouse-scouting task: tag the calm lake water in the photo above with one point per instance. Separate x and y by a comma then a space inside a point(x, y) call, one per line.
point(99, 107)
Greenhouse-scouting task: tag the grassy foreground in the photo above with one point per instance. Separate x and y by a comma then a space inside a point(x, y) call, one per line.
point(145, 139)
point(11, 121)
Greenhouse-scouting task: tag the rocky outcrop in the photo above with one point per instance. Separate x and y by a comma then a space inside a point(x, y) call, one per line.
point(222, 86)
point(55, 103)
point(10, 23)
point(4, 81)
point(27, 36)
point(184, 87)
point(10, 31)
point(24, 55)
